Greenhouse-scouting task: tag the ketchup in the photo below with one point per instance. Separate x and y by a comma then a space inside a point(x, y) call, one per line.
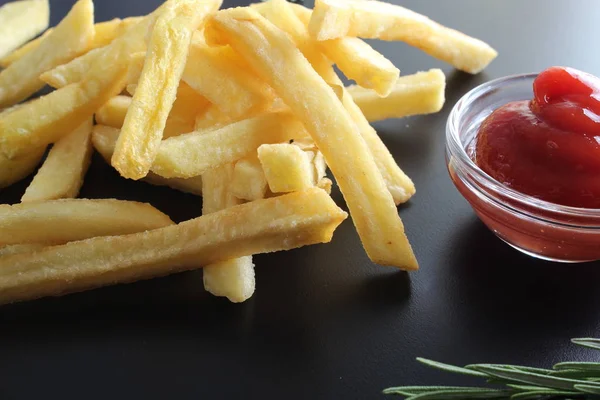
point(548, 147)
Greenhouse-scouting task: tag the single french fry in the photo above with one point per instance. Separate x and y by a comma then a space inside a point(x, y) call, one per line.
point(62, 221)
point(13, 170)
point(46, 119)
point(194, 153)
point(19, 249)
point(287, 168)
point(70, 38)
point(104, 33)
point(61, 175)
point(280, 223)
point(104, 139)
point(282, 65)
point(157, 87)
point(249, 181)
point(21, 21)
point(233, 278)
point(398, 183)
point(420, 93)
point(355, 58)
point(333, 19)
point(218, 74)
point(113, 112)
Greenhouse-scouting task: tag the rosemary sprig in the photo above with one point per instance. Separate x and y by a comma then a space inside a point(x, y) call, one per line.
point(566, 380)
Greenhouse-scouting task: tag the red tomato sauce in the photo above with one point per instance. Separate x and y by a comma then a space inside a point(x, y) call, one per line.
point(548, 147)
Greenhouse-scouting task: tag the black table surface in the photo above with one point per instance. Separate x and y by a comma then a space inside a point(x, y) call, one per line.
point(326, 323)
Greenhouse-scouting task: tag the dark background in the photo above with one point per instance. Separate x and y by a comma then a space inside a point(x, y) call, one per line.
point(325, 323)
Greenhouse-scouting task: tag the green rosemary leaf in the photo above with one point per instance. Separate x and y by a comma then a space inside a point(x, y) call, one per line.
point(451, 368)
point(541, 394)
point(588, 389)
point(576, 374)
point(479, 393)
point(530, 378)
point(414, 390)
point(528, 388)
point(587, 342)
point(584, 366)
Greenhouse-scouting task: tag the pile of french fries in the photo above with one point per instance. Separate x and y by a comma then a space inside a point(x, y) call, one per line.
point(242, 106)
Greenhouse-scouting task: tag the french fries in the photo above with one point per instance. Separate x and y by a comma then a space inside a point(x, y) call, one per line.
point(61, 175)
point(113, 112)
point(249, 181)
point(69, 39)
point(104, 33)
point(182, 117)
point(15, 169)
point(287, 168)
point(132, 40)
point(417, 94)
point(242, 106)
point(104, 139)
point(282, 65)
point(61, 221)
point(233, 278)
point(218, 74)
point(332, 19)
point(280, 223)
point(46, 119)
point(398, 183)
point(167, 54)
point(355, 58)
point(192, 154)
point(21, 21)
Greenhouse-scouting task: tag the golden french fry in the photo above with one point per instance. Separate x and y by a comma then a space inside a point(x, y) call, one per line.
point(46, 119)
point(104, 139)
point(21, 21)
point(420, 93)
point(113, 112)
point(62, 221)
point(233, 278)
point(333, 19)
point(194, 153)
point(61, 175)
point(157, 87)
point(287, 168)
point(218, 74)
point(13, 170)
point(104, 33)
point(280, 223)
point(69, 39)
point(19, 249)
point(355, 58)
point(398, 183)
point(249, 181)
point(273, 53)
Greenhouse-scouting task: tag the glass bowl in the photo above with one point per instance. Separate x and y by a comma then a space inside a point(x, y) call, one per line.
point(535, 227)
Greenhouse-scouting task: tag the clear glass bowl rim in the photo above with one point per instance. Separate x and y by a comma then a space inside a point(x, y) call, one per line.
point(464, 163)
